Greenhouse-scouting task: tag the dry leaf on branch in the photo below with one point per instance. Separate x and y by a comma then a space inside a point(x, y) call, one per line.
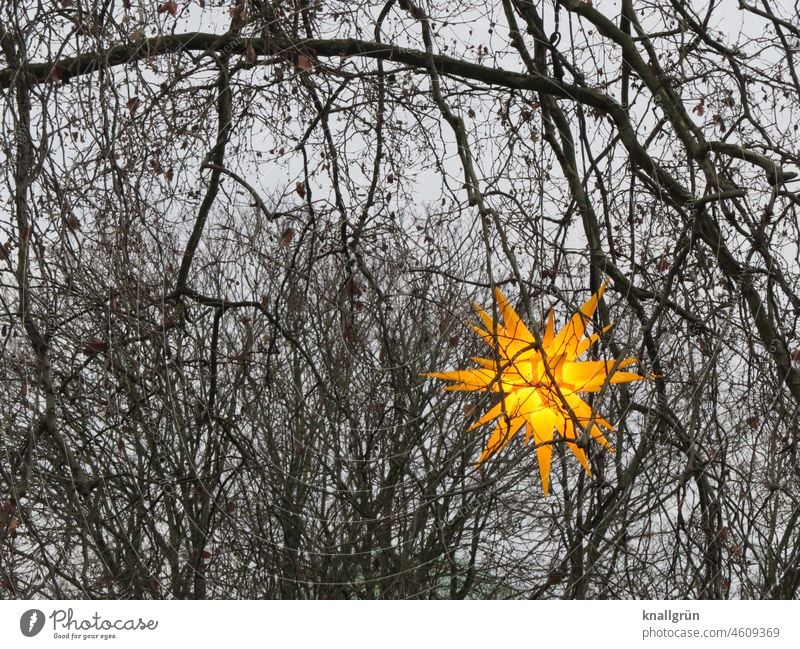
point(169, 7)
point(304, 63)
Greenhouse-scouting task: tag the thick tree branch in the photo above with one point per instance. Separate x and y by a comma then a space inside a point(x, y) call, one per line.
point(217, 159)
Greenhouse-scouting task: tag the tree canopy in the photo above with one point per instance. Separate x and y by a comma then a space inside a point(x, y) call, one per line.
point(235, 235)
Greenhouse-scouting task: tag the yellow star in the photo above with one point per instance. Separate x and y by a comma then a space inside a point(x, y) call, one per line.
point(539, 382)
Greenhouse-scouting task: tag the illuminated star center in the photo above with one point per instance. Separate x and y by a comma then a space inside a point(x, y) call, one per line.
point(538, 382)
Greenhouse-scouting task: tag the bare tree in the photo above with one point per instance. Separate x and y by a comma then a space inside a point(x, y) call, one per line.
point(235, 233)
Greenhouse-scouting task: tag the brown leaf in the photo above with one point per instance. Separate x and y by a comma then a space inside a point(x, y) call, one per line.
point(169, 174)
point(153, 585)
point(700, 109)
point(95, 345)
point(23, 389)
point(57, 73)
point(295, 300)
point(170, 7)
point(553, 578)
point(250, 54)
point(353, 287)
point(300, 188)
point(133, 104)
point(470, 410)
point(286, 237)
point(752, 422)
point(238, 11)
point(205, 554)
point(796, 355)
point(304, 63)
point(349, 331)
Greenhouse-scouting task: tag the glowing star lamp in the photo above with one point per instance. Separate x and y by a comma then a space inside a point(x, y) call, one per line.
point(539, 386)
